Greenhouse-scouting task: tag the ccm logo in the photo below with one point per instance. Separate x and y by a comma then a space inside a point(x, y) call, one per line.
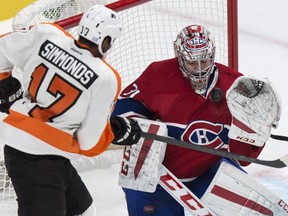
point(125, 161)
point(283, 205)
point(245, 139)
point(186, 198)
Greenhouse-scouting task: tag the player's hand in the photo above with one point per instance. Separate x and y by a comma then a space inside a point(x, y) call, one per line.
point(126, 131)
point(10, 91)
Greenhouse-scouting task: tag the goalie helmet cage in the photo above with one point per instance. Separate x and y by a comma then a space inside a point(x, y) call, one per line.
point(150, 27)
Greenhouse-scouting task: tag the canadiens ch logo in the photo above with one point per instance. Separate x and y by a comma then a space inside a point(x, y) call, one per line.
point(196, 41)
point(149, 209)
point(205, 133)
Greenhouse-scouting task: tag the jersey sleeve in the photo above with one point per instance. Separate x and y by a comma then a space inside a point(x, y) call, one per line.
point(14, 48)
point(133, 99)
point(17, 46)
point(95, 133)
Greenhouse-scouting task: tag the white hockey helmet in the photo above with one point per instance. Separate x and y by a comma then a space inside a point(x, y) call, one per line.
point(97, 23)
point(194, 45)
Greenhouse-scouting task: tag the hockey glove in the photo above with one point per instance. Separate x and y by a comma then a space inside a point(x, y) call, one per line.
point(10, 91)
point(126, 131)
point(255, 107)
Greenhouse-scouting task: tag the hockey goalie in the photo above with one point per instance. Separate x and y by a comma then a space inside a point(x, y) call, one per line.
point(224, 110)
point(225, 189)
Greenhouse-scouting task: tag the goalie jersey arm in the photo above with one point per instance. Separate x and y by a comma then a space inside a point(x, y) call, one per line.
point(132, 100)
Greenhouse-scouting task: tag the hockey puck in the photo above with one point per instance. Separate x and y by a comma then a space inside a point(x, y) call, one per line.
point(216, 95)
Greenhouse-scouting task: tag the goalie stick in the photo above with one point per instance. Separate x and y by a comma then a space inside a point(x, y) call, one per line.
point(277, 163)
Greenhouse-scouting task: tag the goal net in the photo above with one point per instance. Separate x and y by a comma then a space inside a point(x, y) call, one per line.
point(150, 27)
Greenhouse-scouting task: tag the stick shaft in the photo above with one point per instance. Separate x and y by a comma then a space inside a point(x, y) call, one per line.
point(278, 163)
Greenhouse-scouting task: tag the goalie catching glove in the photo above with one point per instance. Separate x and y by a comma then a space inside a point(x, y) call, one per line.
point(10, 91)
point(255, 108)
point(126, 131)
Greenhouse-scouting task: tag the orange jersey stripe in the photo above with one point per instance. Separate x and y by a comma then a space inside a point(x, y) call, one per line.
point(5, 34)
point(103, 143)
point(5, 75)
point(57, 138)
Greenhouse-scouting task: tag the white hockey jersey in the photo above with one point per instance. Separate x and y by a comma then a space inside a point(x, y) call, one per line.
point(68, 94)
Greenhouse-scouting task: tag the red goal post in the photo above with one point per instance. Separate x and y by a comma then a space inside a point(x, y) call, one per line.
point(150, 27)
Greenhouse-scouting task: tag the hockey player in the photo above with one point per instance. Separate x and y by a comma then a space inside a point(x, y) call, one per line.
point(188, 94)
point(68, 94)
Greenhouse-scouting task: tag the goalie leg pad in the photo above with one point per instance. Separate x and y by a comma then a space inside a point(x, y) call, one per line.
point(141, 163)
point(233, 192)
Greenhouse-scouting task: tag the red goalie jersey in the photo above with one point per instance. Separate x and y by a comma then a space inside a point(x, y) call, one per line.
point(162, 93)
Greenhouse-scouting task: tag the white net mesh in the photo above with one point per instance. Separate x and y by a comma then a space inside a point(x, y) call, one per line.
point(149, 31)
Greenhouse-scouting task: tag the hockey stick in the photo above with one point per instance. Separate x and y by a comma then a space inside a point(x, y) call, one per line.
point(182, 194)
point(279, 137)
point(278, 163)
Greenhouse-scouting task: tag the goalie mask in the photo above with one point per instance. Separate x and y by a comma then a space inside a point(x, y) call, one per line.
point(195, 50)
point(100, 22)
